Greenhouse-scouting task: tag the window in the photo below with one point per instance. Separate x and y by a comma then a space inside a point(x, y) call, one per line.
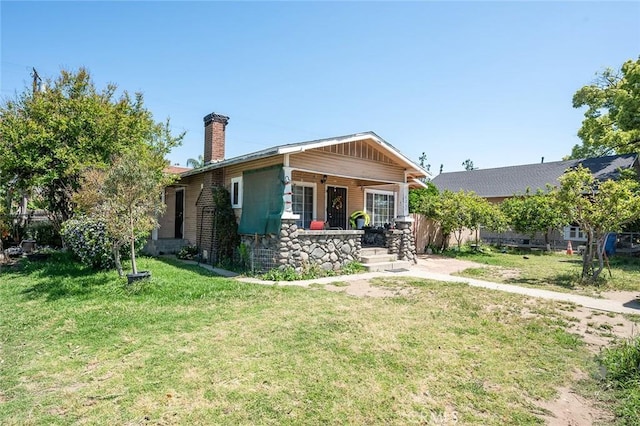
point(574, 233)
point(381, 207)
point(236, 192)
point(303, 201)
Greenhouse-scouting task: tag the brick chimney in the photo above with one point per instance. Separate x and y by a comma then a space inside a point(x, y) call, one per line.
point(214, 126)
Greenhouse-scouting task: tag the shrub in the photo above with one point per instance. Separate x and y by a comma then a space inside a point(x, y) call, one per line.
point(310, 271)
point(88, 240)
point(44, 233)
point(188, 252)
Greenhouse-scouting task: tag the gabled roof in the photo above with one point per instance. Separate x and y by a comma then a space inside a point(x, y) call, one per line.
point(511, 180)
point(293, 148)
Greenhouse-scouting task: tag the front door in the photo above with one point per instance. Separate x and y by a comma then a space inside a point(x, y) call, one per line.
point(179, 219)
point(337, 207)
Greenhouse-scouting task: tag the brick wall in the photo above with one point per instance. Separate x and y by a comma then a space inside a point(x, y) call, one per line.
point(204, 211)
point(214, 137)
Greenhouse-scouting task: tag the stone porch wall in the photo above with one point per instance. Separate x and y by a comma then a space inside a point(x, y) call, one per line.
point(329, 249)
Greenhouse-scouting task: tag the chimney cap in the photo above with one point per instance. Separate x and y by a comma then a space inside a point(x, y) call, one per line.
point(217, 118)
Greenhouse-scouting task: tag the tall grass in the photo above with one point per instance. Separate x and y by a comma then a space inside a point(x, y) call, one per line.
point(621, 365)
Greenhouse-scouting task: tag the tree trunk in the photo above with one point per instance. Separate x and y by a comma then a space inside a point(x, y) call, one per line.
point(600, 251)
point(587, 259)
point(115, 251)
point(445, 241)
point(458, 235)
point(134, 267)
point(546, 240)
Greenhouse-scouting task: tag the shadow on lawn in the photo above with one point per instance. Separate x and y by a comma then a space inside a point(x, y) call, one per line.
point(567, 281)
point(60, 277)
point(191, 267)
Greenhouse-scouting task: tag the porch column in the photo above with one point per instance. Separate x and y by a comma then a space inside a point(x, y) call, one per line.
point(403, 202)
point(407, 245)
point(288, 195)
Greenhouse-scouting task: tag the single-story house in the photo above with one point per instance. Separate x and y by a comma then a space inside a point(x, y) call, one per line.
point(295, 199)
point(500, 183)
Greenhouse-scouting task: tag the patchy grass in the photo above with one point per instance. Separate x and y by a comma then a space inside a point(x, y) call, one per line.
point(192, 348)
point(553, 271)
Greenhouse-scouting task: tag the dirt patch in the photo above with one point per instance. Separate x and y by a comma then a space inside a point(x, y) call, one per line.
point(571, 409)
point(363, 288)
point(445, 265)
point(600, 329)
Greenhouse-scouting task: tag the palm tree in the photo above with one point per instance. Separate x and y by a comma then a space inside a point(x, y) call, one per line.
point(196, 163)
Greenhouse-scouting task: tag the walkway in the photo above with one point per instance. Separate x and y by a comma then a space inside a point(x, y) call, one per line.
point(631, 306)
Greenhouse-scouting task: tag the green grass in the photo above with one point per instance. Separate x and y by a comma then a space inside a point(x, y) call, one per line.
point(192, 348)
point(554, 271)
point(621, 368)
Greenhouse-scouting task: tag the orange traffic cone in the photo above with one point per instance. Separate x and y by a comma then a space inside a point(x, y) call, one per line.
point(569, 248)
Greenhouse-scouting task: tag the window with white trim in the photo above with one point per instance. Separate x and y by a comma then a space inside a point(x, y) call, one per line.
point(303, 203)
point(381, 207)
point(574, 233)
point(236, 192)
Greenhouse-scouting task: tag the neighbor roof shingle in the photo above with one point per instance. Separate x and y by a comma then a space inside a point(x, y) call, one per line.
point(511, 180)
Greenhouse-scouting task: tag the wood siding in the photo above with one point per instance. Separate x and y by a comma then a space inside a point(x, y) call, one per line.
point(366, 150)
point(329, 164)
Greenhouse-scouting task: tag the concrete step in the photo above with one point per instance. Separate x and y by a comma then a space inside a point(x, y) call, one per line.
point(387, 266)
point(376, 258)
point(373, 251)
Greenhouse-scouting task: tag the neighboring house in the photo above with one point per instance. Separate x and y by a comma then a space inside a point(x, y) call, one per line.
point(503, 182)
point(278, 194)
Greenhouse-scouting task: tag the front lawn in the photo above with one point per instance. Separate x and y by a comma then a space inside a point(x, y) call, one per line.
point(553, 271)
point(192, 348)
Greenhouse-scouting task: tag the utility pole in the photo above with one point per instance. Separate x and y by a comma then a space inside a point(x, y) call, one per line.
point(37, 81)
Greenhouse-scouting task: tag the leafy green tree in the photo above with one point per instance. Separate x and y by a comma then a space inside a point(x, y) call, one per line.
point(126, 196)
point(426, 201)
point(532, 213)
point(598, 208)
point(47, 139)
point(460, 211)
point(612, 119)
point(481, 213)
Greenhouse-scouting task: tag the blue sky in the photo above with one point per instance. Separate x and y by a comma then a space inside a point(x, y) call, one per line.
point(488, 81)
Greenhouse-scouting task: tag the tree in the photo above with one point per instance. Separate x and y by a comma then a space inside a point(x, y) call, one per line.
point(468, 165)
point(423, 162)
point(612, 119)
point(196, 163)
point(126, 196)
point(462, 210)
point(532, 213)
point(425, 201)
point(47, 139)
point(598, 208)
